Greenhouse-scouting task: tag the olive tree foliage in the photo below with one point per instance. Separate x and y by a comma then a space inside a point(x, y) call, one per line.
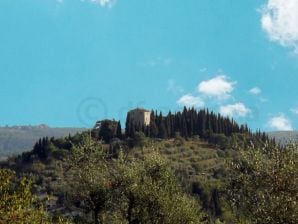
point(148, 193)
point(17, 204)
point(128, 190)
point(264, 185)
point(88, 178)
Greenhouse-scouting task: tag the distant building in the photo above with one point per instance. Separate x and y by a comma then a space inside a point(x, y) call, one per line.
point(140, 116)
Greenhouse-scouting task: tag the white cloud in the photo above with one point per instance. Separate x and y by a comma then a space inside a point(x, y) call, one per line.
point(189, 100)
point(280, 123)
point(219, 87)
point(238, 110)
point(102, 3)
point(255, 91)
point(280, 22)
point(295, 110)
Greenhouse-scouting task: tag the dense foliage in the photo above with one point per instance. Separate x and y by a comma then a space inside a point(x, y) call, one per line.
point(189, 123)
point(121, 190)
point(107, 129)
point(264, 185)
point(17, 204)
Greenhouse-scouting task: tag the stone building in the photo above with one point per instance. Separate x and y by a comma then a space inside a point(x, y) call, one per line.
point(140, 116)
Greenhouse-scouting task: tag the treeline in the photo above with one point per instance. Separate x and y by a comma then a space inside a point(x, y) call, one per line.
point(46, 148)
point(190, 123)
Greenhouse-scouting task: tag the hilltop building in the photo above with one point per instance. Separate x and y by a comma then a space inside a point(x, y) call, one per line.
point(139, 116)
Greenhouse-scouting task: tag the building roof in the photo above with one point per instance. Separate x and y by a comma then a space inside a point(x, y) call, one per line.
point(140, 109)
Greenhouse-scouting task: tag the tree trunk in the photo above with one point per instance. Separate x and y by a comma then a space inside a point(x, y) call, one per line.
point(96, 213)
point(131, 202)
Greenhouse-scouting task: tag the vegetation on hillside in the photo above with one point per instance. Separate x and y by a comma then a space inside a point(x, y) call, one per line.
point(106, 176)
point(127, 190)
point(18, 205)
point(189, 123)
point(263, 185)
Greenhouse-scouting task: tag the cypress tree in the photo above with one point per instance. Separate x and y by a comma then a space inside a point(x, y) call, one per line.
point(128, 126)
point(119, 130)
point(191, 122)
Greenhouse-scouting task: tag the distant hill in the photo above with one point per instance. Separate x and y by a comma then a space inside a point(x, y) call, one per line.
point(284, 137)
point(17, 139)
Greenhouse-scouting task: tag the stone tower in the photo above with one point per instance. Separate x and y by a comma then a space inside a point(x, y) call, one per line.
point(140, 116)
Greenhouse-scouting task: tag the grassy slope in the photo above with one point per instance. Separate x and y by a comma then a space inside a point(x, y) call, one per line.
point(197, 163)
point(195, 158)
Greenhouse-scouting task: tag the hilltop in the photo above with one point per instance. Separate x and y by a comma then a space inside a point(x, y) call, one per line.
point(17, 139)
point(284, 137)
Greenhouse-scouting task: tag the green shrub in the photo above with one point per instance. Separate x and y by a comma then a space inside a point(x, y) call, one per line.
point(140, 140)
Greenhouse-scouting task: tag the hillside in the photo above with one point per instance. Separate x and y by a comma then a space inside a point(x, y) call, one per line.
point(191, 150)
point(198, 165)
point(284, 137)
point(17, 139)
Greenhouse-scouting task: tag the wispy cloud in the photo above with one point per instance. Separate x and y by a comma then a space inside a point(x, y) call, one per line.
point(263, 100)
point(189, 100)
point(102, 3)
point(294, 110)
point(280, 21)
point(220, 87)
point(159, 61)
point(255, 91)
point(235, 110)
point(174, 87)
point(280, 123)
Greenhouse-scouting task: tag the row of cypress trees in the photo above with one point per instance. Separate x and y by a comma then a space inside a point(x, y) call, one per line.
point(189, 123)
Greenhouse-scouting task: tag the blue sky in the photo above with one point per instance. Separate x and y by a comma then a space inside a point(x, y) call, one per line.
point(72, 62)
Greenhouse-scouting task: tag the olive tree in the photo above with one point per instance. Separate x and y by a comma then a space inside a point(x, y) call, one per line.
point(17, 204)
point(149, 193)
point(263, 186)
point(128, 190)
point(87, 178)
